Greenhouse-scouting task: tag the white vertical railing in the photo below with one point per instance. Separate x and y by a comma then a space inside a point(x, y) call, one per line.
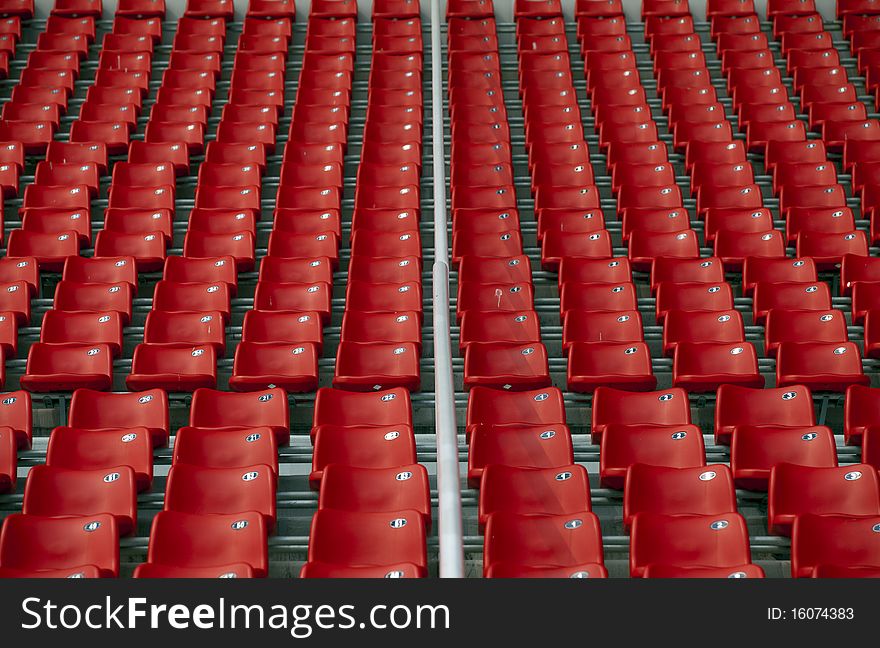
point(449, 526)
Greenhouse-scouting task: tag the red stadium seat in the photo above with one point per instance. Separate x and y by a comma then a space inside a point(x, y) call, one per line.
point(218, 541)
point(735, 247)
point(363, 446)
point(370, 539)
point(676, 270)
point(597, 297)
point(59, 173)
point(861, 412)
point(34, 543)
point(82, 449)
point(54, 491)
point(803, 326)
point(50, 250)
point(49, 220)
point(226, 447)
point(192, 296)
point(865, 296)
point(58, 197)
point(34, 136)
point(771, 269)
point(280, 326)
point(709, 174)
point(675, 571)
point(8, 334)
point(558, 245)
point(493, 297)
point(692, 297)
point(678, 491)
point(271, 9)
point(106, 270)
point(375, 366)
point(622, 365)
point(492, 406)
point(114, 135)
point(285, 244)
point(23, 269)
point(196, 328)
point(152, 570)
point(704, 366)
point(295, 297)
point(381, 297)
point(143, 174)
point(258, 365)
point(688, 540)
point(741, 406)
point(822, 366)
point(794, 295)
point(95, 298)
point(222, 221)
point(147, 249)
point(536, 446)
point(376, 490)
point(859, 150)
point(15, 300)
point(222, 491)
point(822, 541)
point(871, 334)
point(160, 153)
point(468, 9)
point(344, 408)
point(24, 9)
point(91, 409)
point(325, 570)
point(515, 543)
point(715, 152)
point(781, 151)
point(614, 406)
point(106, 95)
point(675, 446)
point(701, 327)
point(636, 153)
point(370, 269)
point(297, 270)
point(66, 367)
point(177, 367)
point(836, 133)
point(653, 221)
point(589, 270)
point(377, 318)
point(141, 8)
point(15, 413)
point(215, 409)
point(755, 449)
point(645, 246)
point(8, 459)
point(83, 328)
point(596, 326)
point(190, 135)
point(179, 269)
point(239, 245)
point(795, 489)
point(567, 219)
point(820, 222)
point(560, 490)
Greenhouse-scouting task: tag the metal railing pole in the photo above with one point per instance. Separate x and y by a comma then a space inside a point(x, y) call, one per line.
point(448, 478)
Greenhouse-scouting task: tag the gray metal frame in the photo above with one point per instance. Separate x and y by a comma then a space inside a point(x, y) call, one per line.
point(448, 481)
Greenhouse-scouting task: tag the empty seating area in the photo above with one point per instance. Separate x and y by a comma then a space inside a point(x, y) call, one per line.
point(213, 292)
point(667, 297)
point(223, 346)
